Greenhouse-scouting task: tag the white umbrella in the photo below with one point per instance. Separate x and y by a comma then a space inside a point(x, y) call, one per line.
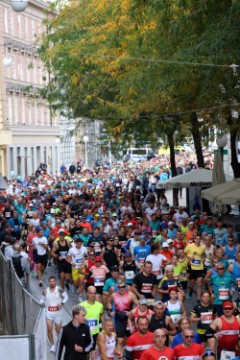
point(214, 192)
point(199, 177)
point(231, 197)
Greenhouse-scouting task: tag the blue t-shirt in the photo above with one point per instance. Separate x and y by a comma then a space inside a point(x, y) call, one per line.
point(142, 252)
point(178, 339)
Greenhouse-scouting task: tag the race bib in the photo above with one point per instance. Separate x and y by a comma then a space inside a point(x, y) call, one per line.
point(147, 288)
point(129, 275)
point(98, 282)
point(231, 261)
point(63, 254)
point(156, 272)
point(206, 317)
point(196, 262)
point(227, 355)
point(97, 247)
point(52, 308)
point(175, 318)
point(141, 261)
point(238, 282)
point(223, 294)
point(92, 323)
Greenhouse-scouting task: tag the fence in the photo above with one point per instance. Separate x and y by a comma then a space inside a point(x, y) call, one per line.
point(22, 318)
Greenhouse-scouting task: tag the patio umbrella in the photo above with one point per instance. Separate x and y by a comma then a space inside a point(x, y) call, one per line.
point(218, 176)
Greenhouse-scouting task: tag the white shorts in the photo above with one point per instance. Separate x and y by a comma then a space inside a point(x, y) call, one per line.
point(54, 316)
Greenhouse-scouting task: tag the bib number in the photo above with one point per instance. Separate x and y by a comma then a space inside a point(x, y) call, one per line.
point(206, 318)
point(146, 288)
point(52, 308)
point(223, 294)
point(92, 323)
point(129, 275)
point(98, 282)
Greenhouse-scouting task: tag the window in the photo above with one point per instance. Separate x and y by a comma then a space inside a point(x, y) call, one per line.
point(19, 161)
point(32, 158)
point(11, 158)
point(10, 108)
point(6, 27)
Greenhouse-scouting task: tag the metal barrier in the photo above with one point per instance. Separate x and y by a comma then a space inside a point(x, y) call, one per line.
point(21, 315)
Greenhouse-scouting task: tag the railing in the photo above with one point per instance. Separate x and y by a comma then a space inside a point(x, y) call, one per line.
point(23, 318)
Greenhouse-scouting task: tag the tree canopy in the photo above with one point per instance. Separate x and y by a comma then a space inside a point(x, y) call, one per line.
point(147, 68)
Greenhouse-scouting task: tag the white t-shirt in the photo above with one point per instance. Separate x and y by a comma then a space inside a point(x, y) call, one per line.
point(156, 261)
point(77, 256)
point(40, 248)
point(178, 217)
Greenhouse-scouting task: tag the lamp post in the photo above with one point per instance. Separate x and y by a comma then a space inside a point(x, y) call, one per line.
point(221, 143)
point(86, 140)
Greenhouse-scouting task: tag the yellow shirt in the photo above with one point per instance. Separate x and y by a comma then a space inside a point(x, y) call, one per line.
point(197, 253)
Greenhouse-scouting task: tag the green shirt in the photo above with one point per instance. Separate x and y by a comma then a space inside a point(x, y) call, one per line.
point(93, 315)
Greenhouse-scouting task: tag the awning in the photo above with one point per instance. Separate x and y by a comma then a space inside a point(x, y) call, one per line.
point(231, 197)
point(212, 193)
point(198, 177)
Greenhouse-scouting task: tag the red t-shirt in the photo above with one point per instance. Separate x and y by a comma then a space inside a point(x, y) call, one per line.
point(154, 354)
point(187, 353)
point(137, 344)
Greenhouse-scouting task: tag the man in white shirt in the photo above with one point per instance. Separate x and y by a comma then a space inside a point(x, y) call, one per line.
point(178, 216)
point(40, 243)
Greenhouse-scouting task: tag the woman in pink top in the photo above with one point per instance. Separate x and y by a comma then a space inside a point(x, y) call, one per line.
point(99, 272)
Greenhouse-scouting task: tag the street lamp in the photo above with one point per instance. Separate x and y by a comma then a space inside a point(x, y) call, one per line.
point(86, 140)
point(19, 5)
point(221, 143)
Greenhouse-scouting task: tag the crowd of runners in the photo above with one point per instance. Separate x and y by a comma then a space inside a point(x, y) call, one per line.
point(133, 260)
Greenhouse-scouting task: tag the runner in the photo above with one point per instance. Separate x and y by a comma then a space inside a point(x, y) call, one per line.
point(139, 311)
point(53, 298)
point(94, 314)
point(196, 255)
point(225, 330)
point(99, 272)
point(159, 350)
point(204, 314)
point(189, 349)
point(221, 287)
point(41, 245)
point(106, 343)
point(75, 257)
point(123, 301)
point(144, 283)
point(59, 252)
point(141, 340)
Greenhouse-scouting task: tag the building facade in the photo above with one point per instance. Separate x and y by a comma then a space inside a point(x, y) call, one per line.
point(29, 132)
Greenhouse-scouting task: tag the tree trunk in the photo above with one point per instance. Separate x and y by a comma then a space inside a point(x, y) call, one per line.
point(197, 138)
point(233, 129)
point(173, 166)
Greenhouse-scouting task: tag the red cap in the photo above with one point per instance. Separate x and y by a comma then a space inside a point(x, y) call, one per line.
point(174, 288)
point(98, 258)
point(227, 304)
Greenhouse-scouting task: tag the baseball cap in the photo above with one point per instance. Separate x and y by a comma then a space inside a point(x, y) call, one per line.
point(114, 268)
point(171, 223)
point(61, 231)
point(141, 237)
point(114, 214)
point(128, 253)
point(38, 228)
point(31, 204)
point(169, 241)
point(98, 258)
point(78, 239)
point(96, 215)
point(129, 224)
point(227, 304)
point(143, 302)
point(58, 221)
point(165, 244)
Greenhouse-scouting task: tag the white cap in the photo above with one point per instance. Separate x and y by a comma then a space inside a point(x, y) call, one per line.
point(165, 244)
point(129, 224)
point(169, 241)
point(171, 223)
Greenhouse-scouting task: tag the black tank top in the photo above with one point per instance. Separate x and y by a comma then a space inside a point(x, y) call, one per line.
point(110, 257)
point(158, 324)
point(62, 251)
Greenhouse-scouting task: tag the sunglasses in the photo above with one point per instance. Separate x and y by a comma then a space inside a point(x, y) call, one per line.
point(121, 287)
point(98, 261)
point(228, 308)
point(189, 336)
point(220, 268)
point(91, 254)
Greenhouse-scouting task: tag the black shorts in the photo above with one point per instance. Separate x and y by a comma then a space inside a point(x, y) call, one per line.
point(195, 274)
point(64, 267)
point(202, 337)
point(121, 328)
point(42, 259)
point(99, 289)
